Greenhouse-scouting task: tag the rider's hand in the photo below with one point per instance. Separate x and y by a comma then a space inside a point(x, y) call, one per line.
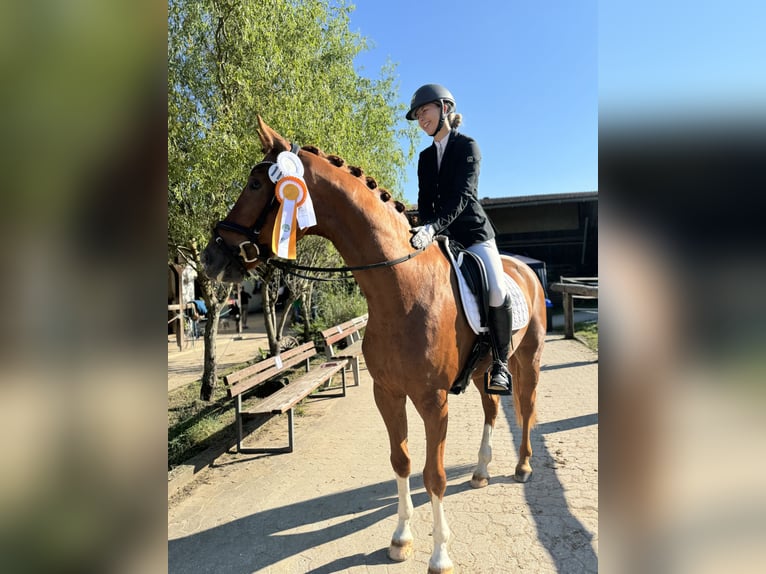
point(422, 235)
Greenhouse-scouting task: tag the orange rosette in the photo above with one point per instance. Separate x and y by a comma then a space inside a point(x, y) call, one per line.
point(291, 192)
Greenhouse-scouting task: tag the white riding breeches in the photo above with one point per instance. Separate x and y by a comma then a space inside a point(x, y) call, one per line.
point(490, 256)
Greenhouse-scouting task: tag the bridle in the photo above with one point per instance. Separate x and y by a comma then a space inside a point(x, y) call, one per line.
point(247, 251)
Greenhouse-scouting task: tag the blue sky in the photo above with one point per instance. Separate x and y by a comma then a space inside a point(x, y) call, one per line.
point(682, 60)
point(524, 75)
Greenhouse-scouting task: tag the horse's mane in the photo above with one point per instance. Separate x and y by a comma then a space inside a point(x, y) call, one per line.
point(358, 173)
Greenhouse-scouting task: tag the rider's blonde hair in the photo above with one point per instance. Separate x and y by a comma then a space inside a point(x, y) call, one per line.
point(454, 119)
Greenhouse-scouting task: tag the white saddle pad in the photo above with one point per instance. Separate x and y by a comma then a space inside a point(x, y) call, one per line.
point(519, 309)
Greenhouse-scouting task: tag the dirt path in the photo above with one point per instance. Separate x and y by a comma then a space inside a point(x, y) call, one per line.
point(232, 349)
point(330, 506)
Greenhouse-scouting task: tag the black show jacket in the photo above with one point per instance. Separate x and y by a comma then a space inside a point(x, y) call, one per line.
point(449, 198)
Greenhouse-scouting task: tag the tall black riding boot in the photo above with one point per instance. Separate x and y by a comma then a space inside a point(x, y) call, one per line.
point(500, 331)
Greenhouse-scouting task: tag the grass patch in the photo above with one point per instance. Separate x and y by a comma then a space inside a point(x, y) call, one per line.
point(195, 425)
point(588, 334)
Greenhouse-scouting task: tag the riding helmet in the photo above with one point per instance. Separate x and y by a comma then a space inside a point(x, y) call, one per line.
point(427, 94)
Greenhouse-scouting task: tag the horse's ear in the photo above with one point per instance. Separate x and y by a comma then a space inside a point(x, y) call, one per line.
point(271, 140)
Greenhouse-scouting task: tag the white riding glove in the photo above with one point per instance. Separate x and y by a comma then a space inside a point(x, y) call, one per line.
point(422, 235)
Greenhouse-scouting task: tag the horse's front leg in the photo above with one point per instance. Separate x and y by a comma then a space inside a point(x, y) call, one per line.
point(393, 410)
point(490, 404)
point(434, 411)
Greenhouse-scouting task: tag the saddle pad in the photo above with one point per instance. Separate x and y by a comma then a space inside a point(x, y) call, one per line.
point(519, 309)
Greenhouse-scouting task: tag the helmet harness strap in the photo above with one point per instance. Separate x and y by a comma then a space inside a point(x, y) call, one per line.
point(441, 118)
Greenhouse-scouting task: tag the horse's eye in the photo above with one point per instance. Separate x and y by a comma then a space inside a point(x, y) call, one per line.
point(255, 184)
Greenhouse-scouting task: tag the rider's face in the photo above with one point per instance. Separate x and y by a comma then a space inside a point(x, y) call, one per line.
point(428, 117)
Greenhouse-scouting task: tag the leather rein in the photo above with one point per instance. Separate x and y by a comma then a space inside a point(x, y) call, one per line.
point(248, 251)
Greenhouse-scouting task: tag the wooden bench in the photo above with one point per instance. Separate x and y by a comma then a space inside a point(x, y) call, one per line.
point(350, 331)
point(287, 397)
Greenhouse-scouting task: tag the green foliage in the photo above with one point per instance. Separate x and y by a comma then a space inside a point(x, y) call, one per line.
point(192, 423)
point(291, 61)
point(195, 425)
point(339, 302)
point(588, 334)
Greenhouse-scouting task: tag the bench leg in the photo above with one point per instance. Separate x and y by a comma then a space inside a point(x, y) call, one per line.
point(290, 430)
point(267, 450)
point(238, 416)
point(355, 367)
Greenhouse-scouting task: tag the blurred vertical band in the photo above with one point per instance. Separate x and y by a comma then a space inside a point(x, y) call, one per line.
point(682, 175)
point(83, 386)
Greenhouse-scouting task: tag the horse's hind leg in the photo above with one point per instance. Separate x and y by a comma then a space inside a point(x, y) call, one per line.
point(525, 366)
point(393, 410)
point(490, 404)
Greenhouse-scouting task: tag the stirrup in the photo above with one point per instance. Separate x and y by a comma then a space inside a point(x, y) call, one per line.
point(498, 389)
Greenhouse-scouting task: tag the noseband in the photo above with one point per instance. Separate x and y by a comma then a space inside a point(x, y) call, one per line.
point(248, 251)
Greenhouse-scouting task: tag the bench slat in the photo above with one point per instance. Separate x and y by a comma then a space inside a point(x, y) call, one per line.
point(338, 332)
point(267, 363)
point(287, 397)
point(249, 377)
point(348, 331)
point(352, 350)
point(353, 324)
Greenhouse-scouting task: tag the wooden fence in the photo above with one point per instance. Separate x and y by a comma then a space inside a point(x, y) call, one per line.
point(571, 287)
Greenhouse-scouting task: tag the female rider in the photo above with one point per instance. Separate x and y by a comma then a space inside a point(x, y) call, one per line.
point(448, 204)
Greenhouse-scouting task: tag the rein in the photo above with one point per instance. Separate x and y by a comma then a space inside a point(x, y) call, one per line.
point(289, 267)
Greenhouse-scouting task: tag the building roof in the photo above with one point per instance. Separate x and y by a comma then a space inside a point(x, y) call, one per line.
point(542, 199)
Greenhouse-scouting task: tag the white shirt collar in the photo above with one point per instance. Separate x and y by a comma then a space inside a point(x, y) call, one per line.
point(440, 147)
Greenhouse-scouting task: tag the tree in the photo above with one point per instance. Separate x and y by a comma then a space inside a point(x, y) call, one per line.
point(292, 62)
point(314, 252)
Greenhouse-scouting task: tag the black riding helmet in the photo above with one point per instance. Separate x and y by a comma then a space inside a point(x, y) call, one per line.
point(427, 94)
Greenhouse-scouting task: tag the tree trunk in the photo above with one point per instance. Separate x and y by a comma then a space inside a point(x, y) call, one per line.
point(269, 319)
point(285, 316)
point(210, 294)
point(209, 372)
point(306, 308)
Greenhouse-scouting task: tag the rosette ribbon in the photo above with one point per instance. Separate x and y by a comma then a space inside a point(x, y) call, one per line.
point(291, 193)
point(294, 203)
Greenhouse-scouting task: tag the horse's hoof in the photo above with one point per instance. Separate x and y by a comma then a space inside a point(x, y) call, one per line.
point(522, 474)
point(479, 481)
point(447, 570)
point(400, 551)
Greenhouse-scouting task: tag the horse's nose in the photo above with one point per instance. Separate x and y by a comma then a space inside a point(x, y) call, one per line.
point(205, 258)
point(212, 260)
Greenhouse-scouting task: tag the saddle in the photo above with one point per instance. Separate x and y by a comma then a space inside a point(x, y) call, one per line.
point(472, 277)
point(472, 282)
point(474, 298)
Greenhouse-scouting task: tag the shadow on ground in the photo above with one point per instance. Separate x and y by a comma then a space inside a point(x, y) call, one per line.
point(262, 539)
point(561, 534)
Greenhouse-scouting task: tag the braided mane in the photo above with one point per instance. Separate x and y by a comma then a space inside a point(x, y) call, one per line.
point(358, 173)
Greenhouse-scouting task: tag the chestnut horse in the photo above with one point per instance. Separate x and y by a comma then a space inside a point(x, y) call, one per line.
point(417, 338)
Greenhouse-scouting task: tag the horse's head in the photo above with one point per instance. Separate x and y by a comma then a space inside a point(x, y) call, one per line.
point(242, 240)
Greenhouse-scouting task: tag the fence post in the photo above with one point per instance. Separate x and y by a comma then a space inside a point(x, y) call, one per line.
point(568, 290)
point(568, 304)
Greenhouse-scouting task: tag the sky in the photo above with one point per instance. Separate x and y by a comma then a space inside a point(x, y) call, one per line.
point(681, 60)
point(523, 74)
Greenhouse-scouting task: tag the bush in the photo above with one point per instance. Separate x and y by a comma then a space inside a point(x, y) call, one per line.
point(338, 302)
